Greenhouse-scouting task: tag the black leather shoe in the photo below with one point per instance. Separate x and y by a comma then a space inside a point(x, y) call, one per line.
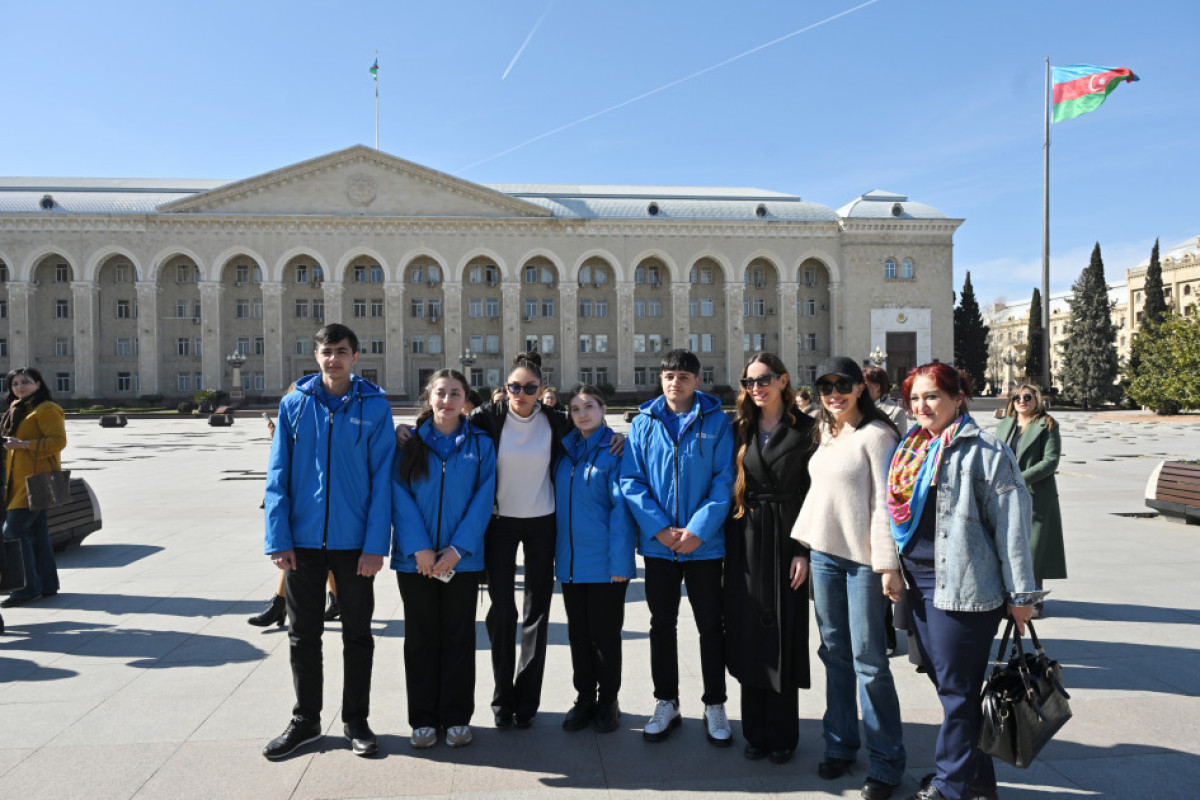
point(782, 756)
point(928, 793)
point(607, 717)
point(363, 740)
point(833, 768)
point(1, 626)
point(334, 609)
point(274, 614)
point(754, 752)
point(503, 719)
point(297, 734)
point(875, 789)
point(975, 793)
point(524, 721)
point(14, 600)
point(580, 715)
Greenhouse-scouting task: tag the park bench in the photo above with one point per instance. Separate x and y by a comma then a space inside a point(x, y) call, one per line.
point(221, 418)
point(75, 520)
point(1174, 491)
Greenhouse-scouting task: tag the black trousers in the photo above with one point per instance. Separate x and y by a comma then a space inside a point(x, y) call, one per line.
point(519, 685)
point(305, 587)
point(771, 719)
point(595, 616)
point(439, 648)
point(703, 581)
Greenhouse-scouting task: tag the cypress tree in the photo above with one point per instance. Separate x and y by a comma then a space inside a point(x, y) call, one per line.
point(1089, 363)
point(970, 335)
point(1033, 353)
point(1155, 307)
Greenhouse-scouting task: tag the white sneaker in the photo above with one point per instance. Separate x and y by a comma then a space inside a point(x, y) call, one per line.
point(716, 726)
point(458, 736)
point(665, 717)
point(423, 738)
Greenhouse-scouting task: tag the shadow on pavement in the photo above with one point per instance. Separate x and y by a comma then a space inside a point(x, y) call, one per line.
point(106, 555)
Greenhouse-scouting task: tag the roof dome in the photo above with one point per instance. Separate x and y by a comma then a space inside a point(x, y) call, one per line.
point(878, 204)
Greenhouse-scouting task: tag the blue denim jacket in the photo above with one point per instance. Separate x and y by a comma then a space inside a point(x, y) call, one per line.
point(984, 516)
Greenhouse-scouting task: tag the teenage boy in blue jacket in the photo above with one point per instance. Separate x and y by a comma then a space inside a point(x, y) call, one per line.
point(677, 477)
point(328, 509)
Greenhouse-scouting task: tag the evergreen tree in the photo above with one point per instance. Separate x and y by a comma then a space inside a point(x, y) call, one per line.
point(1033, 353)
point(970, 336)
point(1089, 363)
point(1170, 376)
point(1155, 307)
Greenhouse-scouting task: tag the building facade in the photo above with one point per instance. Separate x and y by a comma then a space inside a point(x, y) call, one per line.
point(120, 288)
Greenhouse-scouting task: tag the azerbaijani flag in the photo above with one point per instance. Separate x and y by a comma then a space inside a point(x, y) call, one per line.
point(375, 70)
point(1081, 88)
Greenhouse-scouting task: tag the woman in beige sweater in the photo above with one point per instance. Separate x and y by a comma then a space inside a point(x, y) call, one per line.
point(844, 523)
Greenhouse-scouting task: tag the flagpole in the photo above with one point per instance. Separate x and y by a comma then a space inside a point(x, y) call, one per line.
point(377, 101)
point(1046, 240)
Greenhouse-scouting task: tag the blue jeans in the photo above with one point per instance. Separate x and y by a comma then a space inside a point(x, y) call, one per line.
point(849, 605)
point(41, 572)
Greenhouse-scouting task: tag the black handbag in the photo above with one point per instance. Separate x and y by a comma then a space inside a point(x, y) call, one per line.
point(12, 567)
point(47, 489)
point(1024, 702)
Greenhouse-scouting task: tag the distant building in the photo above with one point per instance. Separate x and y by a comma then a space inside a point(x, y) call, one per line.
point(121, 287)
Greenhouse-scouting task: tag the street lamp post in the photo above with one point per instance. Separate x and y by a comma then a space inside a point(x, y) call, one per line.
point(1009, 361)
point(467, 359)
point(236, 361)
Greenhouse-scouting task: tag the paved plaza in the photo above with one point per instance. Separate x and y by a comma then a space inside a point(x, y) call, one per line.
point(142, 678)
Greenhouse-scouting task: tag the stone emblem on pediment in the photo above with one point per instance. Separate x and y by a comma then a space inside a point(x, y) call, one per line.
point(360, 189)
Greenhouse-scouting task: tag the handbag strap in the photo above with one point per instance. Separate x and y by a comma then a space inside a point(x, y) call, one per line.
point(36, 456)
point(1000, 661)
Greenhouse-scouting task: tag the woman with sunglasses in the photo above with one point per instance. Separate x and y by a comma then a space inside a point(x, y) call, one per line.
point(855, 571)
point(1034, 436)
point(528, 439)
point(959, 518)
point(766, 571)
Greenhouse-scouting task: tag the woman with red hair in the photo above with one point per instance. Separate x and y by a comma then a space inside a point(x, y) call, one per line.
point(960, 518)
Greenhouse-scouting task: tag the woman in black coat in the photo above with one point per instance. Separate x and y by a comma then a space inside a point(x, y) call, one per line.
point(766, 571)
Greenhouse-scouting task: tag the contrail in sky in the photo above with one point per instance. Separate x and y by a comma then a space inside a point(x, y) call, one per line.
point(525, 43)
point(662, 88)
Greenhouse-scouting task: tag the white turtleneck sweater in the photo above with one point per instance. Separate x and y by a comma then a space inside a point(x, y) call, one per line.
point(523, 487)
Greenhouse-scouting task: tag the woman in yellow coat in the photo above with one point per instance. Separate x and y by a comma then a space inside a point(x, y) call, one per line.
point(33, 428)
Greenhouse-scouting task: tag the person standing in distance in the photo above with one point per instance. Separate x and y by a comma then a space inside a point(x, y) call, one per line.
point(329, 509)
point(677, 478)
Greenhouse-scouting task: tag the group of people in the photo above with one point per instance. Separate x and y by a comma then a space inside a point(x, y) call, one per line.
point(750, 516)
point(34, 434)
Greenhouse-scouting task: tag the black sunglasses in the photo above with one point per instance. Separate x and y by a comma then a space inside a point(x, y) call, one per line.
point(762, 381)
point(842, 386)
point(1025, 398)
point(529, 388)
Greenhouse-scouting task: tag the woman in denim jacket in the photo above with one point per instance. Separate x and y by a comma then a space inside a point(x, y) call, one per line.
point(960, 517)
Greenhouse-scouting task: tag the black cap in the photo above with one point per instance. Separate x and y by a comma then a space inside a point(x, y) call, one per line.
point(842, 367)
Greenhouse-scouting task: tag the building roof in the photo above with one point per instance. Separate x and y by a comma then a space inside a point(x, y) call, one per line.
point(1003, 311)
point(878, 204)
point(1187, 251)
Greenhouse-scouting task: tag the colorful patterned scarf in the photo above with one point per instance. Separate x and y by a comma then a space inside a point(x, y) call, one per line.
point(914, 470)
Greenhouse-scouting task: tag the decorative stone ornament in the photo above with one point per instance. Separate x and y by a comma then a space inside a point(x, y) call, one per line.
point(360, 189)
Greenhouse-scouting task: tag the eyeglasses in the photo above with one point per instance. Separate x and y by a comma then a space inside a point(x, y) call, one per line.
point(1023, 398)
point(529, 388)
point(842, 386)
point(762, 381)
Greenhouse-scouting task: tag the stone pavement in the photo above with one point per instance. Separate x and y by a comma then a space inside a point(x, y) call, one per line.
point(142, 679)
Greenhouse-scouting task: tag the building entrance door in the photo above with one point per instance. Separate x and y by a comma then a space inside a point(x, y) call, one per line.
point(423, 376)
point(901, 355)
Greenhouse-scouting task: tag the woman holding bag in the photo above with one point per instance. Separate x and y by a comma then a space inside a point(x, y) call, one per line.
point(34, 434)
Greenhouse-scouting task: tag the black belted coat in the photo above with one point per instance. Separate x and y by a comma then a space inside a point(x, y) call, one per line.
point(766, 621)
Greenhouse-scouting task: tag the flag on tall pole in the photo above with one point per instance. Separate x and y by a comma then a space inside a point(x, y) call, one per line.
point(375, 77)
point(1081, 88)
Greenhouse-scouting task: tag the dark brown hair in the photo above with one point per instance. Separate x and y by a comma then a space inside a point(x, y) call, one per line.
point(414, 459)
point(748, 415)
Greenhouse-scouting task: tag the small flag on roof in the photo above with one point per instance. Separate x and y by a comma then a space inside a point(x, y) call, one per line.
point(1081, 88)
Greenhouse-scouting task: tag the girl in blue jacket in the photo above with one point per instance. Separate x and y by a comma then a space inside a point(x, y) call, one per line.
point(443, 488)
point(593, 560)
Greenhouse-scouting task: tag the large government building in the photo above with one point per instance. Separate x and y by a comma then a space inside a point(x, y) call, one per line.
point(116, 288)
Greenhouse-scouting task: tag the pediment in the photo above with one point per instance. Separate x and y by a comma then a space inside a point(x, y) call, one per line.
point(358, 181)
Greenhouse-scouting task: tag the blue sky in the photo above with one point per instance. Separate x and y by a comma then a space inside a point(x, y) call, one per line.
point(940, 100)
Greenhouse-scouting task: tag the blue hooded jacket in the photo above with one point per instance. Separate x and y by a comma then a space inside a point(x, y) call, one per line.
point(450, 506)
point(328, 478)
point(688, 484)
point(595, 529)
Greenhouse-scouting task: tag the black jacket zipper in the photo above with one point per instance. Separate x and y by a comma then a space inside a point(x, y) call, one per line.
point(571, 523)
point(328, 470)
point(441, 494)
